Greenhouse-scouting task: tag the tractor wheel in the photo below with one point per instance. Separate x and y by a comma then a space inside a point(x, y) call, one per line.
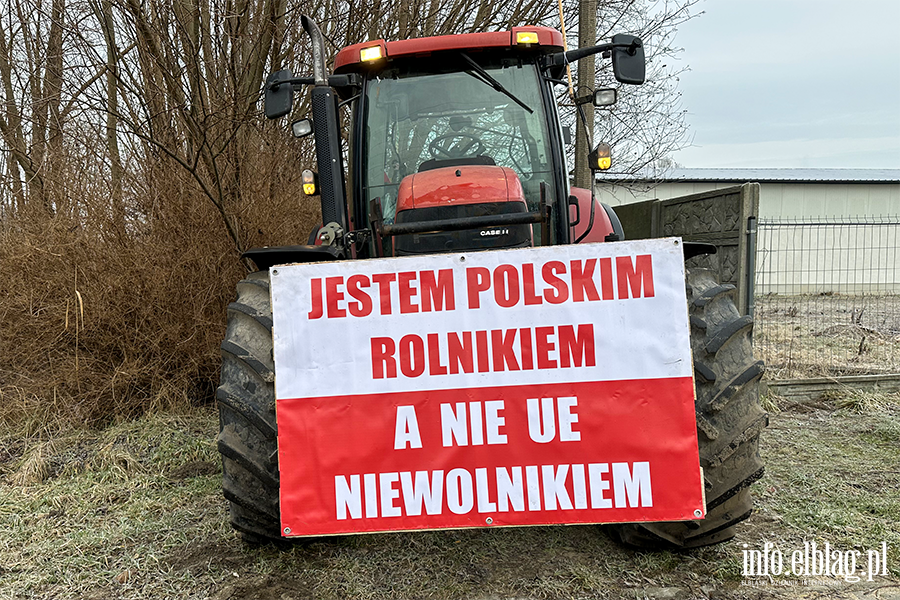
point(247, 438)
point(729, 420)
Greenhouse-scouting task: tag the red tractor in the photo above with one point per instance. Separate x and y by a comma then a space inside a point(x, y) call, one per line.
point(456, 145)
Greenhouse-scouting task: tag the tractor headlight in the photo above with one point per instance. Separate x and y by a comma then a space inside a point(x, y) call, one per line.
point(301, 128)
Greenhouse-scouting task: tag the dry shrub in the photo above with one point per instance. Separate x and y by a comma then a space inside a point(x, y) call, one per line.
point(99, 324)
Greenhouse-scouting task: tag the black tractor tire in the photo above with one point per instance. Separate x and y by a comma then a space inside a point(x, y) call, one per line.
point(729, 421)
point(248, 431)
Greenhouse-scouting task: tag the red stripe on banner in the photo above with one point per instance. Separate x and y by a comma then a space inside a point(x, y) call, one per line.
point(596, 452)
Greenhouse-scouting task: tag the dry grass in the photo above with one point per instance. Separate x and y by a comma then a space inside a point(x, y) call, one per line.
point(135, 512)
point(34, 467)
point(868, 402)
point(99, 324)
point(95, 329)
point(828, 334)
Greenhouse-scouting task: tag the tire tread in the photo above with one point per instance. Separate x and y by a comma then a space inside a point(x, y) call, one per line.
point(729, 421)
point(248, 429)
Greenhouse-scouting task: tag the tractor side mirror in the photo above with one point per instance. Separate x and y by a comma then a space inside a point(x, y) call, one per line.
point(629, 65)
point(279, 96)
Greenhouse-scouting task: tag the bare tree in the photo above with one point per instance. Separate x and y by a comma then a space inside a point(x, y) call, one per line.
point(647, 124)
point(175, 84)
point(103, 12)
point(31, 122)
point(192, 88)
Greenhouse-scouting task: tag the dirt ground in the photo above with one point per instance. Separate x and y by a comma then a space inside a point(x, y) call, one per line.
point(135, 511)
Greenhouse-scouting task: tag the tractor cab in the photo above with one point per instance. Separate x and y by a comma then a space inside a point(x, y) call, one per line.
point(448, 145)
point(439, 140)
point(455, 141)
point(456, 132)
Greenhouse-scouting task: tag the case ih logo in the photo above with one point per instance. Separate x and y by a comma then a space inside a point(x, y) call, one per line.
point(491, 232)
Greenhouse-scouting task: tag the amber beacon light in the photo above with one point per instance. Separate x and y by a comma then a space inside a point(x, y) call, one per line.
point(600, 157)
point(310, 184)
point(369, 54)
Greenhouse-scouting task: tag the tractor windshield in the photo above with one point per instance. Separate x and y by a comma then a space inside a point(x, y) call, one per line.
point(415, 122)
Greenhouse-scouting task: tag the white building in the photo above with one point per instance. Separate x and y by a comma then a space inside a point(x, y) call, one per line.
point(821, 230)
point(784, 193)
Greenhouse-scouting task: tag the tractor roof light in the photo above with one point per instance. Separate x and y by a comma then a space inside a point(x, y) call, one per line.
point(372, 53)
point(309, 179)
point(600, 157)
point(526, 38)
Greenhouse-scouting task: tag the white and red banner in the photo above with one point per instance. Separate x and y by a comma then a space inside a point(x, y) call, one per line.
point(521, 387)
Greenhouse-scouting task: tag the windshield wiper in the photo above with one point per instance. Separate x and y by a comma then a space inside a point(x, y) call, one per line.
point(488, 79)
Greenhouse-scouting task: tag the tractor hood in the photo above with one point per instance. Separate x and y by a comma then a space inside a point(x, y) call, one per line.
point(465, 184)
point(460, 192)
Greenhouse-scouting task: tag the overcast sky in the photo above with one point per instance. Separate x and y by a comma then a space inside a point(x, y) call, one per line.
point(792, 83)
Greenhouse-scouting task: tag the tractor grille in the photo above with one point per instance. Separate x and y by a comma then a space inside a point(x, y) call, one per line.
point(481, 238)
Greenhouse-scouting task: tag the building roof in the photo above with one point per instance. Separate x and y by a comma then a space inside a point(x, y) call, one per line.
point(772, 176)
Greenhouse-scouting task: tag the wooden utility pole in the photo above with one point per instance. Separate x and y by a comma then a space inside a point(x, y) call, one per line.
point(587, 36)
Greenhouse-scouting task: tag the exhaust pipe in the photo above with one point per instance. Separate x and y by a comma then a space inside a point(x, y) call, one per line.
point(328, 142)
point(318, 49)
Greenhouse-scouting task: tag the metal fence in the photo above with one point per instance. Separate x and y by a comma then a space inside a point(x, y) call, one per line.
point(827, 297)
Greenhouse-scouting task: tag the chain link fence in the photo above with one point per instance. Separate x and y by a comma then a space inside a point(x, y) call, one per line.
point(827, 297)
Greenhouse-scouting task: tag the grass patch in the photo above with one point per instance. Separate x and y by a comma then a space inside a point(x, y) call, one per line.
point(81, 509)
point(868, 402)
point(135, 511)
point(833, 475)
